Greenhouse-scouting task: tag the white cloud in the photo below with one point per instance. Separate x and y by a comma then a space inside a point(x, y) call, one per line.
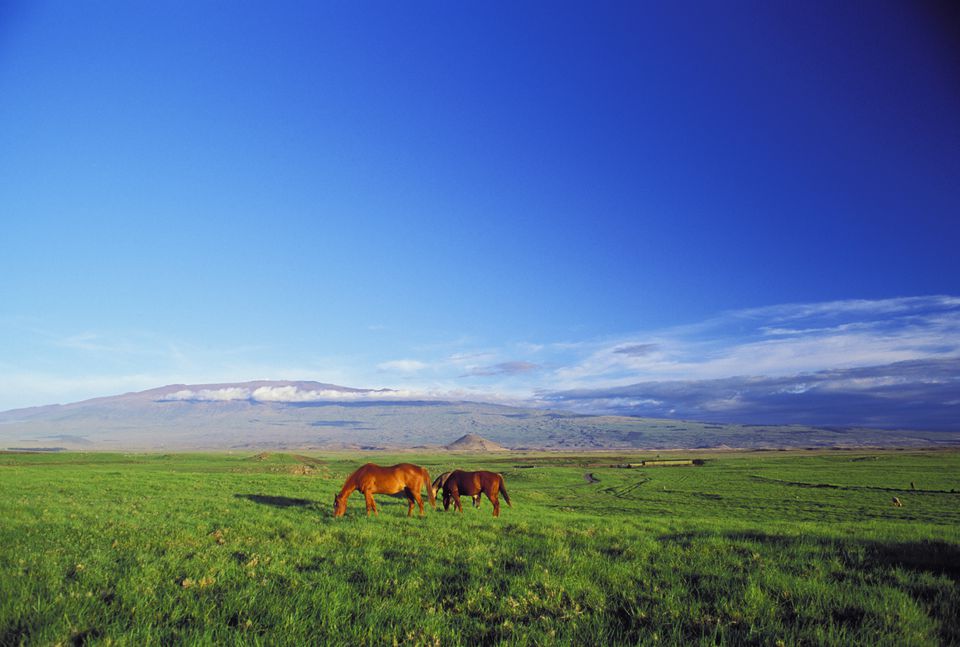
point(858, 308)
point(210, 395)
point(724, 404)
point(840, 334)
point(295, 394)
point(402, 366)
point(93, 342)
point(530, 348)
point(917, 394)
point(515, 367)
point(780, 340)
point(466, 358)
point(795, 389)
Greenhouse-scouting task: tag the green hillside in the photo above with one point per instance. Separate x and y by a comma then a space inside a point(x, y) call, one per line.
point(772, 548)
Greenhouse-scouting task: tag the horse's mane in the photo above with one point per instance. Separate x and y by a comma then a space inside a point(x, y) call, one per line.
point(444, 477)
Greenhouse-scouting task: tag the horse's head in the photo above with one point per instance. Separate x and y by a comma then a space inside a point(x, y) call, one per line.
point(339, 505)
point(438, 483)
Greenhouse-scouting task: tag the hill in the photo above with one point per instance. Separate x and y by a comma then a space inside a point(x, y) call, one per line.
point(474, 443)
point(312, 415)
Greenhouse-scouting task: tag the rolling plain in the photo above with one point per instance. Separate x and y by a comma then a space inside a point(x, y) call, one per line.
point(761, 547)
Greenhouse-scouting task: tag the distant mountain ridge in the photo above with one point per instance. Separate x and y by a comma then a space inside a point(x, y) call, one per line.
point(163, 393)
point(284, 414)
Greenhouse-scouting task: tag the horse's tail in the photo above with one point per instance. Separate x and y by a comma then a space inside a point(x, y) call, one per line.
point(503, 490)
point(430, 494)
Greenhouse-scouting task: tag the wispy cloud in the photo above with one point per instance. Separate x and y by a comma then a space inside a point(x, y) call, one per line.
point(470, 357)
point(209, 395)
point(777, 340)
point(893, 362)
point(503, 368)
point(915, 394)
point(96, 343)
point(850, 308)
point(288, 394)
point(292, 394)
point(636, 350)
point(402, 366)
point(888, 362)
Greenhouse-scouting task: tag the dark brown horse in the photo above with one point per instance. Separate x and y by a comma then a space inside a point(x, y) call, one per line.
point(473, 484)
point(438, 485)
point(404, 480)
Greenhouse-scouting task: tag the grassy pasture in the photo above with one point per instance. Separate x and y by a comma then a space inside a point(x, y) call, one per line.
point(766, 548)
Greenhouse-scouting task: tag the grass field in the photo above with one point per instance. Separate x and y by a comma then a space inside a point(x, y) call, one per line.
point(767, 548)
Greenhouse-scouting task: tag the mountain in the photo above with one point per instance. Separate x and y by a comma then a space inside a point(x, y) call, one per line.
point(314, 415)
point(474, 443)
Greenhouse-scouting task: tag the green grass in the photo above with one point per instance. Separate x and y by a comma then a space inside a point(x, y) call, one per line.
point(763, 548)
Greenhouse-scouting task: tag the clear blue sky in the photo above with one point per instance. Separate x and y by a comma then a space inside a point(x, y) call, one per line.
point(480, 197)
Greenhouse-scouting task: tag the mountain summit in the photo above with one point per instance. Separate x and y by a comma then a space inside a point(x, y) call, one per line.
point(475, 443)
point(315, 415)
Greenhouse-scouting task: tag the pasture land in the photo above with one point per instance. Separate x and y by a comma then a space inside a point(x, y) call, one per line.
point(766, 548)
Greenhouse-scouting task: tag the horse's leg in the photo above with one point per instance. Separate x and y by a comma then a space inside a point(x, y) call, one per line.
point(418, 499)
point(455, 493)
point(493, 493)
point(371, 504)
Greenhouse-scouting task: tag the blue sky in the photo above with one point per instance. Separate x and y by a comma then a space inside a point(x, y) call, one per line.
point(545, 203)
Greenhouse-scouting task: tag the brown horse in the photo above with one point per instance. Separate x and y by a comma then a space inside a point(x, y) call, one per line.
point(473, 484)
point(398, 480)
point(438, 485)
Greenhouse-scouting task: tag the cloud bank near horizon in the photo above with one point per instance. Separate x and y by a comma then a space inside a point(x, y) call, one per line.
point(884, 362)
point(287, 394)
point(292, 394)
point(776, 341)
point(919, 394)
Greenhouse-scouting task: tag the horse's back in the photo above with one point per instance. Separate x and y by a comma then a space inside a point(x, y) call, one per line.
point(474, 482)
point(489, 480)
point(391, 479)
point(391, 470)
point(365, 469)
point(412, 473)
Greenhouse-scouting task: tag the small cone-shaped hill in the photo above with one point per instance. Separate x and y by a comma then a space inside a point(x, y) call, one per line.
point(475, 443)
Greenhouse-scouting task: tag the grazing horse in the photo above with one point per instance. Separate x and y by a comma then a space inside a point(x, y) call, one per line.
point(438, 485)
point(398, 480)
point(473, 484)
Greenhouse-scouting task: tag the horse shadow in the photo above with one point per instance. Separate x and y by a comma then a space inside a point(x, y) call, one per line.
point(276, 501)
point(323, 509)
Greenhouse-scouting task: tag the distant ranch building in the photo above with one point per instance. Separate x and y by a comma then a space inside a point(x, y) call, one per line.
point(664, 463)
